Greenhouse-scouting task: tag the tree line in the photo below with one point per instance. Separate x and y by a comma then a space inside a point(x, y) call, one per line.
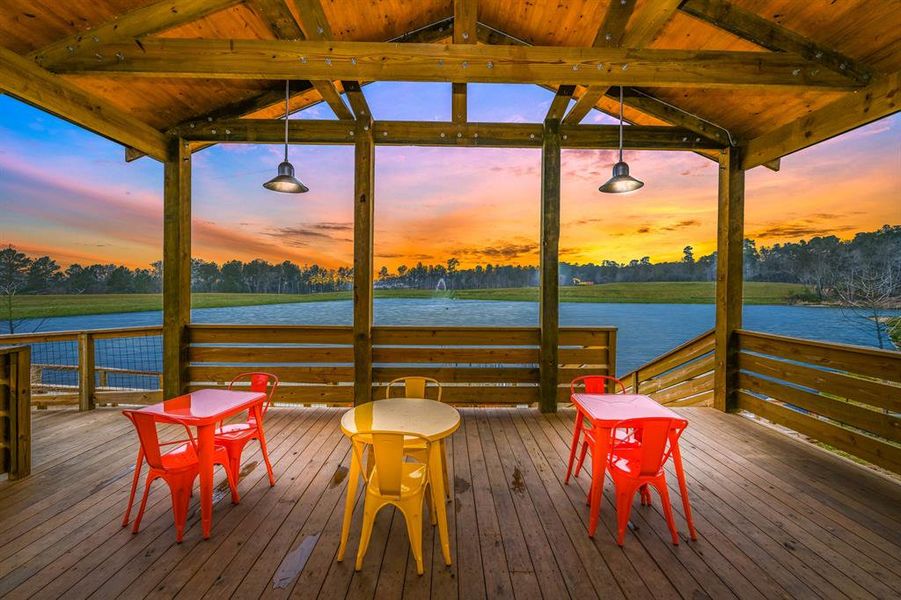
point(822, 263)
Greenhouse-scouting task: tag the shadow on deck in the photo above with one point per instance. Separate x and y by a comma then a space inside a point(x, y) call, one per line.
point(776, 518)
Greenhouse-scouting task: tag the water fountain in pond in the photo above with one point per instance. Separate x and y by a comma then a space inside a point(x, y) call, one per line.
point(441, 286)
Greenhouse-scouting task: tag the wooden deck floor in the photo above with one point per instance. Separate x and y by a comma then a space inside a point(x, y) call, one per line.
point(776, 518)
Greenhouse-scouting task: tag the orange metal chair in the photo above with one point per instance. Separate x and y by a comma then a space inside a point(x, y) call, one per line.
point(414, 387)
point(393, 480)
point(639, 449)
point(178, 468)
point(236, 435)
point(594, 384)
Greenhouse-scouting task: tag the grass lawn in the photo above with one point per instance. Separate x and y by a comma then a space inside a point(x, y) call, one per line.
point(648, 293)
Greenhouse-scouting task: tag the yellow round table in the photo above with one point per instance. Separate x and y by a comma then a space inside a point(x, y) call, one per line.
point(427, 418)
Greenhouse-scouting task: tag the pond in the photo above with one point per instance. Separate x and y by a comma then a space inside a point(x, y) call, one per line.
point(645, 330)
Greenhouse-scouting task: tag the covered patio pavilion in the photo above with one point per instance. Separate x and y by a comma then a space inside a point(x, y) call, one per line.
point(743, 83)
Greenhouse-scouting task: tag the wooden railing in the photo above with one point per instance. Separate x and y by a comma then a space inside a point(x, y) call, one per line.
point(76, 352)
point(848, 397)
point(477, 365)
point(681, 377)
point(15, 411)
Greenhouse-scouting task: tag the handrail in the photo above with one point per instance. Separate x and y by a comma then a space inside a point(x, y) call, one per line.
point(665, 355)
point(71, 335)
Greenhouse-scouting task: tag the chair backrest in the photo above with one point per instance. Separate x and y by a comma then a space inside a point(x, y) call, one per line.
point(655, 438)
point(414, 387)
point(259, 382)
point(145, 425)
point(387, 449)
point(595, 384)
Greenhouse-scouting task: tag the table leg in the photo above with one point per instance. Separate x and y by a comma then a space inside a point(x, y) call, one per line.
point(353, 476)
point(598, 470)
point(436, 480)
point(205, 448)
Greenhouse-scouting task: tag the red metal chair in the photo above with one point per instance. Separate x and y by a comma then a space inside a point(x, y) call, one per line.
point(594, 384)
point(178, 468)
point(236, 435)
point(639, 449)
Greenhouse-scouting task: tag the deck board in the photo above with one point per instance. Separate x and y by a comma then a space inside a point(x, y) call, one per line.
point(776, 518)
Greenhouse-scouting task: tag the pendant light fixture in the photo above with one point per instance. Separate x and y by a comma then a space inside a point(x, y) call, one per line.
point(621, 181)
point(285, 181)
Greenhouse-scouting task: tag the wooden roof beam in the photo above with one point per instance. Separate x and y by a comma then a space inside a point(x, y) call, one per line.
point(878, 100)
point(357, 100)
point(379, 61)
point(609, 35)
point(770, 35)
point(154, 18)
point(25, 80)
point(560, 102)
point(647, 22)
point(428, 133)
point(283, 25)
point(466, 18)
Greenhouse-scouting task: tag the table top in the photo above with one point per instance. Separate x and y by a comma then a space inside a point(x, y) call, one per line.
point(428, 418)
point(205, 407)
point(607, 410)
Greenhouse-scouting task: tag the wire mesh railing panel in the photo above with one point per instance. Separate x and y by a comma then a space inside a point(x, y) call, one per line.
point(128, 363)
point(54, 367)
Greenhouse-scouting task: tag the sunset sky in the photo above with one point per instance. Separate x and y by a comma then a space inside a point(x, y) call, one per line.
point(68, 193)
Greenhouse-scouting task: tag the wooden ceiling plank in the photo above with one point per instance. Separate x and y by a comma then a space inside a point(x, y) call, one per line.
point(357, 100)
point(27, 81)
point(137, 23)
point(427, 133)
point(647, 22)
point(560, 102)
point(772, 36)
point(878, 100)
point(379, 61)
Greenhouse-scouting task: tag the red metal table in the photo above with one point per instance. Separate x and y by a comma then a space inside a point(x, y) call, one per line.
point(604, 411)
point(203, 409)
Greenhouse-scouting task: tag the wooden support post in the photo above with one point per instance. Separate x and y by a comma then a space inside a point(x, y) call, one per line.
point(458, 102)
point(176, 266)
point(85, 371)
point(364, 185)
point(729, 263)
point(15, 411)
point(549, 309)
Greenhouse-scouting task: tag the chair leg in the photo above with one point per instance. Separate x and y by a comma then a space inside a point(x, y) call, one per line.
point(134, 487)
point(370, 508)
point(180, 488)
point(577, 433)
point(147, 482)
point(265, 452)
point(645, 495)
point(413, 516)
point(624, 495)
point(667, 508)
point(582, 453)
point(231, 472)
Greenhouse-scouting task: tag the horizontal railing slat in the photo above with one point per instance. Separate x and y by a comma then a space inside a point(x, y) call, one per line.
point(875, 450)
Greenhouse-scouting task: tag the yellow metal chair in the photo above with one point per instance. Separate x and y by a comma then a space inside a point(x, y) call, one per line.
point(395, 481)
point(414, 387)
